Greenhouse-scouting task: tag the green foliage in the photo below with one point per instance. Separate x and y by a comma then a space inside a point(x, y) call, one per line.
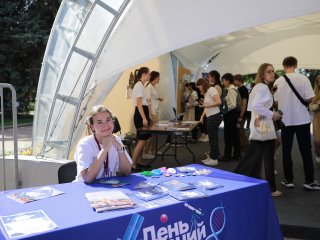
point(25, 27)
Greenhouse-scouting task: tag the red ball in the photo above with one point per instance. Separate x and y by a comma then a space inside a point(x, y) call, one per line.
point(163, 218)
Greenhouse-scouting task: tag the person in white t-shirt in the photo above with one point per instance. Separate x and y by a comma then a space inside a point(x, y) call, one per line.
point(260, 152)
point(142, 114)
point(101, 154)
point(297, 121)
point(153, 97)
point(211, 111)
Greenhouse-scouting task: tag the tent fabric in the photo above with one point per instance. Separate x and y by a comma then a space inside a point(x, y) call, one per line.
point(93, 42)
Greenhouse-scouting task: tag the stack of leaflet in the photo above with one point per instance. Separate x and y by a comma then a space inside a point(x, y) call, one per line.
point(109, 200)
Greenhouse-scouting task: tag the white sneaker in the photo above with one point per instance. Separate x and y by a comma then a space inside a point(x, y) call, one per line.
point(148, 156)
point(210, 161)
point(204, 139)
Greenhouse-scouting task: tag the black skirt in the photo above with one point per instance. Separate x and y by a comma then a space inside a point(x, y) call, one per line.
point(138, 122)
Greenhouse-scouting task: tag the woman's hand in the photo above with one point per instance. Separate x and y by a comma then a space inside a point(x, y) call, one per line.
point(107, 142)
point(145, 122)
point(276, 116)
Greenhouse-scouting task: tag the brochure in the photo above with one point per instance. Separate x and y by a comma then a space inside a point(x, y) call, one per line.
point(109, 200)
point(206, 184)
point(188, 194)
point(176, 185)
point(22, 224)
point(149, 193)
point(35, 194)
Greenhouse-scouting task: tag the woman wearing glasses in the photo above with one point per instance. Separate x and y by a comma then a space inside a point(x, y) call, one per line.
point(101, 154)
point(261, 149)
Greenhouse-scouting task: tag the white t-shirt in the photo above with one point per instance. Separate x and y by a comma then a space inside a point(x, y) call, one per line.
point(139, 91)
point(208, 99)
point(152, 94)
point(260, 101)
point(294, 112)
point(86, 153)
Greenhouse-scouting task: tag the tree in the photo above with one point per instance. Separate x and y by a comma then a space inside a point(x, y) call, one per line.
point(25, 27)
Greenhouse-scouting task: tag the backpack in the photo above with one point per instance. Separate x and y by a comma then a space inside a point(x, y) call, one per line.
point(224, 105)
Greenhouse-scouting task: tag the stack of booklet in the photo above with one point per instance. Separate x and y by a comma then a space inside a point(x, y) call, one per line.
point(35, 194)
point(109, 200)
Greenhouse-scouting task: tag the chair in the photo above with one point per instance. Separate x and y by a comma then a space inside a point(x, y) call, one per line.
point(127, 141)
point(67, 172)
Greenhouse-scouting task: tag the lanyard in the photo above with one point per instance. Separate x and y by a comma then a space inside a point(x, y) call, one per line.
point(106, 162)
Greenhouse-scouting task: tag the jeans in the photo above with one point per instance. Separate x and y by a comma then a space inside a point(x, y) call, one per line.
point(304, 141)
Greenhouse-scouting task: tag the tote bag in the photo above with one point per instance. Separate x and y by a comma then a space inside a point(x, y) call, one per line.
point(262, 128)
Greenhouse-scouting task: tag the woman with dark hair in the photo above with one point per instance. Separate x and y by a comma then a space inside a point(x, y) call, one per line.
point(141, 113)
point(211, 110)
point(154, 99)
point(100, 154)
point(214, 81)
point(261, 151)
point(230, 118)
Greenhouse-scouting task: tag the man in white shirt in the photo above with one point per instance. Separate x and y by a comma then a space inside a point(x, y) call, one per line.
point(297, 121)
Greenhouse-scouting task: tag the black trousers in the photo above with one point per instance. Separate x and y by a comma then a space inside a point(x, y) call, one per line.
point(257, 153)
point(231, 134)
point(213, 123)
point(304, 141)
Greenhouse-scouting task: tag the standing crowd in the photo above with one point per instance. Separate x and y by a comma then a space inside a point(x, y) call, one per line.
point(278, 109)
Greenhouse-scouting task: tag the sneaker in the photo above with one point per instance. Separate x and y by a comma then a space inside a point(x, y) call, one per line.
point(276, 193)
point(287, 184)
point(148, 156)
point(312, 186)
point(318, 160)
point(204, 139)
point(206, 160)
point(210, 161)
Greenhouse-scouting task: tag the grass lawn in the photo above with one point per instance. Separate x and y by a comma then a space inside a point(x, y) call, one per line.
point(21, 119)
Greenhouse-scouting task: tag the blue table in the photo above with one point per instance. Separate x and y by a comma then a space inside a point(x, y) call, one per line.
point(242, 209)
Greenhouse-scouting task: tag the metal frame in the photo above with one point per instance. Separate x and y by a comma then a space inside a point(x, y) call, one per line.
point(14, 104)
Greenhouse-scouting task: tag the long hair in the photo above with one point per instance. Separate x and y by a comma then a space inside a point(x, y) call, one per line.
point(153, 76)
point(95, 109)
point(138, 73)
point(261, 71)
point(216, 75)
point(316, 90)
point(204, 83)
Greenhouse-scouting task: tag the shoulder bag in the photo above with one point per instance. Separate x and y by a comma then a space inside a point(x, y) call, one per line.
point(296, 92)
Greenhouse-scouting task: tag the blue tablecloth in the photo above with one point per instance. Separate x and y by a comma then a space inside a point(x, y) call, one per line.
point(241, 209)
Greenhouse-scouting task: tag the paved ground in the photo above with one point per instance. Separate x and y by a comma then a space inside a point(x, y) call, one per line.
point(24, 135)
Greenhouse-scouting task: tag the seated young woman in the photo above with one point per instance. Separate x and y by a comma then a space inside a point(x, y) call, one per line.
point(101, 154)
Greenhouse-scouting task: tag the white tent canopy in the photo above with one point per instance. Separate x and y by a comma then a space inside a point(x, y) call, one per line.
point(94, 41)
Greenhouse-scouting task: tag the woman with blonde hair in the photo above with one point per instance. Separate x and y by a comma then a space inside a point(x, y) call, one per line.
point(260, 150)
point(314, 107)
point(101, 154)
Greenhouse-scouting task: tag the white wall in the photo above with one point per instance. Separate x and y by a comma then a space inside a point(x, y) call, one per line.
point(32, 172)
point(123, 108)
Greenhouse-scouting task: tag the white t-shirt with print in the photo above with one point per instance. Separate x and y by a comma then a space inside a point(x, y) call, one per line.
point(86, 153)
point(208, 100)
point(139, 91)
point(294, 112)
